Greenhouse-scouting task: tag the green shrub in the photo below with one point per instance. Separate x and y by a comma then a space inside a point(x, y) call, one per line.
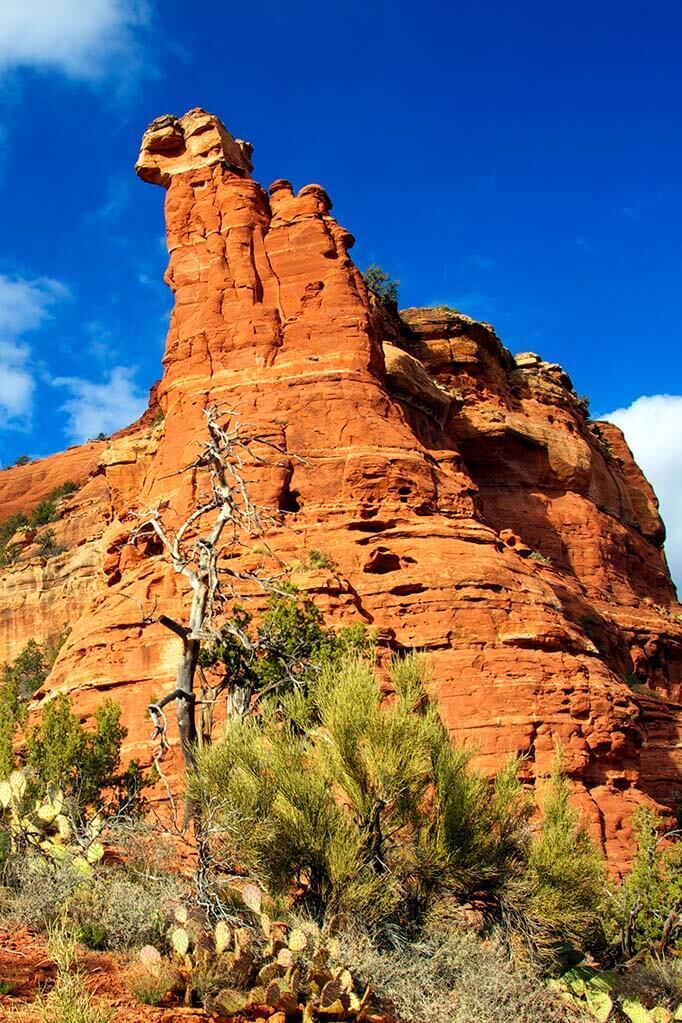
point(38, 891)
point(43, 513)
point(47, 544)
point(360, 804)
point(22, 460)
point(561, 900)
point(319, 559)
point(315, 559)
point(105, 908)
point(29, 670)
point(8, 550)
point(64, 490)
point(82, 762)
point(285, 649)
point(647, 906)
point(20, 680)
point(9, 555)
point(328, 795)
point(381, 284)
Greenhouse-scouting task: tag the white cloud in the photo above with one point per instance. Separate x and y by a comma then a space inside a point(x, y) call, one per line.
point(83, 39)
point(653, 426)
point(101, 408)
point(16, 383)
point(24, 305)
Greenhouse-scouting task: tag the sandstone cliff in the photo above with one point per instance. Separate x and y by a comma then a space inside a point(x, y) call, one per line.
point(468, 505)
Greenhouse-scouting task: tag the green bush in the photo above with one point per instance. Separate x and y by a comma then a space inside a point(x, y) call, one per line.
point(9, 555)
point(20, 680)
point(315, 559)
point(82, 762)
point(44, 512)
point(22, 460)
point(327, 794)
point(647, 907)
point(47, 544)
point(286, 648)
point(64, 490)
point(8, 550)
point(37, 892)
point(559, 904)
point(381, 284)
point(360, 804)
point(65, 881)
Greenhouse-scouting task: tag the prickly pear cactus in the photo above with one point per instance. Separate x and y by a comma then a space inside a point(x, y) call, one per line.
point(43, 827)
point(284, 968)
point(594, 990)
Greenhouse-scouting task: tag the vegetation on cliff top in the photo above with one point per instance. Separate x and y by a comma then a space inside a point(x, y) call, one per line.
point(381, 284)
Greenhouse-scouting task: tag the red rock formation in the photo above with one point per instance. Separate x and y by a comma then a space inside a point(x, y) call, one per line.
point(468, 505)
point(22, 487)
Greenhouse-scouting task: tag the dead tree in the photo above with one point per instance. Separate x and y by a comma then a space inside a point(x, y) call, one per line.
point(228, 516)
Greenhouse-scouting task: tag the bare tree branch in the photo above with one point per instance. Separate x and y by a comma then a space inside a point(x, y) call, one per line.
point(179, 630)
point(194, 552)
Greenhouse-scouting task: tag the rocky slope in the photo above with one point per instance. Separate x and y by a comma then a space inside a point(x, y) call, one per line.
point(468, 505)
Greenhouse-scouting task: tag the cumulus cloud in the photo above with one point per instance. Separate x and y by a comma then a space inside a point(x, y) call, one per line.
point(25, 305)
point(101, 408)
point(653, 426)
point(83, 39)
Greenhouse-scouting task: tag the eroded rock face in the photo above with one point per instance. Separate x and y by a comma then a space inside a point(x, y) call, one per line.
point(469, 507)
point(173, 145)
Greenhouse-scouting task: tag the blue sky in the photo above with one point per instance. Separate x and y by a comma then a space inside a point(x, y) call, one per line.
point(519, 162)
